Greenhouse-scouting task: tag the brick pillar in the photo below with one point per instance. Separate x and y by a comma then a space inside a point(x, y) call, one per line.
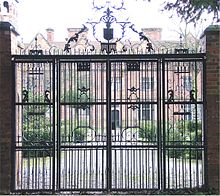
point(6, 107)
point(212, 48)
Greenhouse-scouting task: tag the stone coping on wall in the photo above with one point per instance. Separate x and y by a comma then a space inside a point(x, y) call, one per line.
point(211, 28)
point(8, 26)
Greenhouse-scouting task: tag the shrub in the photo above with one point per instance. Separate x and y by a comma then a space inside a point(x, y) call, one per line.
point(148, 130)
point(73, 131)
point(72, 97)
point(185, 133)
point(37, 133)
point(79, 135)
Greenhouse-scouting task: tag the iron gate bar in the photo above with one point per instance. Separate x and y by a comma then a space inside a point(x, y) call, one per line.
point(116, 155)
point(204, 124)
point(54, 128)
point(163, 165)
point(14, 130)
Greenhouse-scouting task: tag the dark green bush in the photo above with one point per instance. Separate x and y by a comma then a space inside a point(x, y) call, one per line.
point(79, 135)
point(37, 133)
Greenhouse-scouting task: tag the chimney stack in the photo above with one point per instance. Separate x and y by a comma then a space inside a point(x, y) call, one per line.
point(50, 35)
point(153, 33)
point(72, 31)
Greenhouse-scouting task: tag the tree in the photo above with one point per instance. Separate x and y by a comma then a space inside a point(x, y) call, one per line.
point(193, 10)
point(189, 34)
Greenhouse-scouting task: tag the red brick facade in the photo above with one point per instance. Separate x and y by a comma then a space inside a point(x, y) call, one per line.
point(212, 49)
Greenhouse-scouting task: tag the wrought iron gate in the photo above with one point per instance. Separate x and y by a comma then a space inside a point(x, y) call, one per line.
point(109, 122)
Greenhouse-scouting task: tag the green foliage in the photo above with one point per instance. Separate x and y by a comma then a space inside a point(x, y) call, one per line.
point(69, 96)
point(36, 127)
point(79, 135)
point(186, 125)
point(148, 130)
point(72, 96)
point(36, 133)
point(73, 131)
point(188, 133)
point(192, 11)
point(183, 133)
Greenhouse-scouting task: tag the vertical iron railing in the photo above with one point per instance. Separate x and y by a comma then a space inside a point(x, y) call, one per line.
point(109, 122)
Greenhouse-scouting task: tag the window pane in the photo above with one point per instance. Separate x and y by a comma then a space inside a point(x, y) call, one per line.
point(147, 83)
point(147, 112)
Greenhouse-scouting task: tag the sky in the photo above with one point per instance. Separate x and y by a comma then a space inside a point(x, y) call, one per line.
point(37, 15)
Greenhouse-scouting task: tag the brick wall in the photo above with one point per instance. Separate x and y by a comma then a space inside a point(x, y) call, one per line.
point(212, 49)
point(5, 107)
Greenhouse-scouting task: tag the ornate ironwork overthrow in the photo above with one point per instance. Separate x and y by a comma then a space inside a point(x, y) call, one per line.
point(74, 38)
point(108, 18)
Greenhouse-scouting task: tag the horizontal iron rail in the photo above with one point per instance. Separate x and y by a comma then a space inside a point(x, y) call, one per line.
point(113, 57)
point(113, 146)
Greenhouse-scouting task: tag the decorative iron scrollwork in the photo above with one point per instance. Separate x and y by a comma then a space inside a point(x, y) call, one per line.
point(83, 97)
point(171, 96)
point(192, 99)
point(83, 106)
point(133, 107)
point(47, 96)
point(108, 18)
point(83, 90)
point(133, 91)
point(133, 66)
point(36, 50)
point(143, 37)
point(181, 51)
point(74, 38)
point(83, 66)
point(25, 96)
point(111, 47)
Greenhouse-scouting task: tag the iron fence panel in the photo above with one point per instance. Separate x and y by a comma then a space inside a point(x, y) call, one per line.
point(109, 122)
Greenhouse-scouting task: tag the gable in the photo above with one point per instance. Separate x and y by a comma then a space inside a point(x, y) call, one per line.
point(38, 43)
